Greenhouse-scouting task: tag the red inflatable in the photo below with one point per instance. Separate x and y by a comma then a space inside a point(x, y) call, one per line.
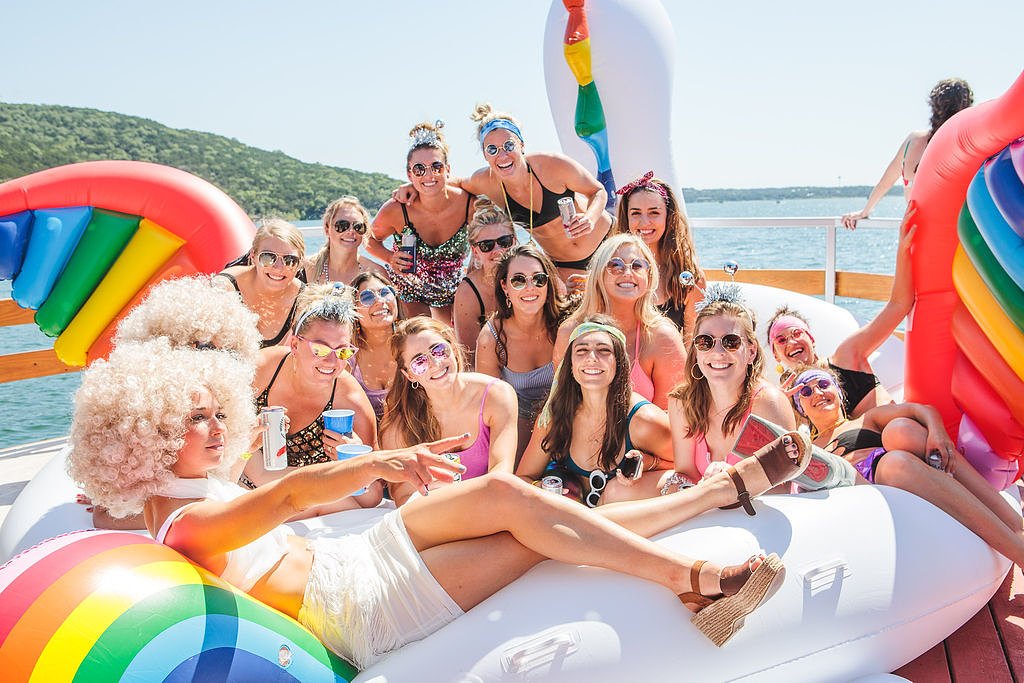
point(950, 162)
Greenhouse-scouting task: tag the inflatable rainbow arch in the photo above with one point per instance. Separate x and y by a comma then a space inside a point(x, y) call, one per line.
point(84, 242)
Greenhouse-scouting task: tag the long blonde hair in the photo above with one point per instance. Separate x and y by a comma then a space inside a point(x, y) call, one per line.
point(595, 296)
point(282, 230)
point(320, 258)
point(407, 409)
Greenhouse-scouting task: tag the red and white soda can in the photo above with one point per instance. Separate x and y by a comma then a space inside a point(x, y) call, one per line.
point(275, 449)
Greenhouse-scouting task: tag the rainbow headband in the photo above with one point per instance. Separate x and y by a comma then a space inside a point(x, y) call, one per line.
point(784, 323)
point(583, 328)
point(808, 376)
point(495, 124)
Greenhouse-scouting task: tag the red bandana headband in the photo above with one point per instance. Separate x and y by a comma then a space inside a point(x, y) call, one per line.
point(643, 183)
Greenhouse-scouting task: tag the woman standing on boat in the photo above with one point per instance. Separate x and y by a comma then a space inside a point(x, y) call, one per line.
point(649, 209)
point(269, 286)
point(529, 311)
point(419, 553)
point(723, 386)
point(432, 395)
point(792, 342)
point(376, 315)
point(895, 444)
point(948, 97)
point(594, 428)
point(436, 222)
point(621, 283)
point(308, 376)
point(491, 234)
point(346, 222)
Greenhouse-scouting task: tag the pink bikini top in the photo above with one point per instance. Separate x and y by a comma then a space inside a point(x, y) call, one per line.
point(641, 381)
point(476, 458)
point(701, 452)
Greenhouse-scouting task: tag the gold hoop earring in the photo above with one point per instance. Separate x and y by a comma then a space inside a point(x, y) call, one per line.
point(508, 301)
point(699, 376)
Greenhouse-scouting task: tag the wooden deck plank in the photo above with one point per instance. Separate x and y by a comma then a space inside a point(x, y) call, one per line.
point(1008, 610)
point(931, 667)
point(975, 653)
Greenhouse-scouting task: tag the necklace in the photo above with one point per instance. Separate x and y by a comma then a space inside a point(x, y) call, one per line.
point(325, 272)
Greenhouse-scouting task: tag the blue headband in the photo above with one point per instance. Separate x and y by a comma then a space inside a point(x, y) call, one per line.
point(808, 376)
point(494, 124)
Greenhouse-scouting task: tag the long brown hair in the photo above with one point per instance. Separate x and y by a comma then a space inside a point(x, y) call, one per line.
point(568, 396)
point(554, 306)
point(675, 245)
point(408, 409)
point(694, 393)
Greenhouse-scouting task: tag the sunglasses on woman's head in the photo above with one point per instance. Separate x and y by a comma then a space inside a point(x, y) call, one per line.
point(808, 388)
point(420, 170)
point(503, 242)
point(368, 297)
point(617, 266)
point(268, 259)
point(705, 342)
point(509, 146)
point(420, 363)
point(343, 225)
point(518, 281)
point(321, 350)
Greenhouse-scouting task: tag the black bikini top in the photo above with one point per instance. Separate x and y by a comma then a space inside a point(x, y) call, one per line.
point(856, 385)
point(305, 446)
point(855, 440)
point(548, 205)
point(264, 343)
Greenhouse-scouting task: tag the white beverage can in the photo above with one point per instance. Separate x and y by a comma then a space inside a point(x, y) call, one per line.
point(275, 449)
point(552, 484)
point(567, 207)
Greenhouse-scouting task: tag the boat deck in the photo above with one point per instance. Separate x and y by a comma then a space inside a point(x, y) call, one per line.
point(989, 648)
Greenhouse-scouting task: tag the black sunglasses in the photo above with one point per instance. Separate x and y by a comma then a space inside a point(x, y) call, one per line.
point(509, 146)
point(419, 170)
point(503, 242)
point(518, 281)
point(343, 225)
point(705, 342)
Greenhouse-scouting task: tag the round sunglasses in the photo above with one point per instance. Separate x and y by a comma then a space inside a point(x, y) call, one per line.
point(617, 266)
point(421, 362)
point(420, 170)
point(343, 225)
point(519, 280)
point(369, 297)
point(807, 388)
point(503, 242)
point(509, 146)
point(321, 350)
point(730, 342)
point(268, 259)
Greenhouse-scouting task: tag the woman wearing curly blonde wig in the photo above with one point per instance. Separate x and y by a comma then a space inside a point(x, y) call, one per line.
point(415, 557)
point(621, 282)
point(346, 222)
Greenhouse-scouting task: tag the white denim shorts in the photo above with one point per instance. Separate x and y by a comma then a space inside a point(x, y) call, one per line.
point(371, 593)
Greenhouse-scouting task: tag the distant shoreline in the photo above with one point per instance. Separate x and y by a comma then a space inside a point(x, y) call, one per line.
point(693, 195)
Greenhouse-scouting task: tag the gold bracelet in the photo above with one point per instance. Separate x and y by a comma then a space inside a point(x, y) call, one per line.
point(245, 456)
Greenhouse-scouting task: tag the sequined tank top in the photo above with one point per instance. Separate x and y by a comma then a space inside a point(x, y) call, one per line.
point(305, 446)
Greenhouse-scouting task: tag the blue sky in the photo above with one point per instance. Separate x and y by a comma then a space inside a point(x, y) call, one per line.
point(766, 94)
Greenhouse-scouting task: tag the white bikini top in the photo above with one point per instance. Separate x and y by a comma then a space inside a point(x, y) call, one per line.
point(247, 564)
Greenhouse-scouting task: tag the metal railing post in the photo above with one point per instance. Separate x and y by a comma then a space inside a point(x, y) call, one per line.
point(830, 262)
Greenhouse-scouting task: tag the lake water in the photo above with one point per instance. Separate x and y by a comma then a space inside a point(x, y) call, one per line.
point(41, 408)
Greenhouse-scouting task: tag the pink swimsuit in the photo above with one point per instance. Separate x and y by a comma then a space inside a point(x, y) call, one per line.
point(641, 381)
point(476, 458)
point(702, 454)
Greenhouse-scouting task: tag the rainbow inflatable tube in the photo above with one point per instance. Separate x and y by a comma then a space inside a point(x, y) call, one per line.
point(116, 606)
point(950, 162)
point(999, 473)
point(1006, 245)
point(976, 397)
point(102, 232)
point(1001, 285)
point(978, 349)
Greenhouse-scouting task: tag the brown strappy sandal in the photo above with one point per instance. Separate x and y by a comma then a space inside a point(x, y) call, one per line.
point(743, 591)
point(779, 467)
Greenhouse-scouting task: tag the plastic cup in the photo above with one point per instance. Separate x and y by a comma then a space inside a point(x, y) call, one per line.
point(339, 421)
point(351, 450)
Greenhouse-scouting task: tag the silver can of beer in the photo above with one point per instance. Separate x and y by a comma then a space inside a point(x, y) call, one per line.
point(275, 450)
point(567, 207)
point(454, 457)
point(551, 484)
point(935, 460)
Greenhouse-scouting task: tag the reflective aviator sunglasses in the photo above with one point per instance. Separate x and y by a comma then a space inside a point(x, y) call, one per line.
point(420, 170)
point(519, 280)
point(509, 146)
point(343, 225)
point(321, 350)
point(368, 297)
point(421, 363)
point(705, 342)
point(503, 242)
point(268, 259)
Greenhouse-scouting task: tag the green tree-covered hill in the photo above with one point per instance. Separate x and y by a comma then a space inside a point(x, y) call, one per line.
point(35, 137)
